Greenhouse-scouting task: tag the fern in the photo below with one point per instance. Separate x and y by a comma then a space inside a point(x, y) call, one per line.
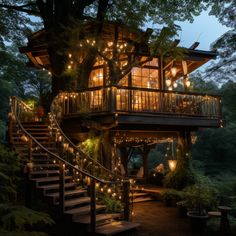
point(18, 217)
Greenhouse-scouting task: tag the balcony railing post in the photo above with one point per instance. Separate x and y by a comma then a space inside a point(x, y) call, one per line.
point(126, 191)
point(62, 187)
point(92, 206)
point(113, 93)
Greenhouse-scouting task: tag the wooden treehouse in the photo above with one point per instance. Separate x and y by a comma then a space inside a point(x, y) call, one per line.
point(133, 96)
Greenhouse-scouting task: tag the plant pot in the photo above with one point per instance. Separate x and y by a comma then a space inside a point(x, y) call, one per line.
point(197, 222)
point(182, 210)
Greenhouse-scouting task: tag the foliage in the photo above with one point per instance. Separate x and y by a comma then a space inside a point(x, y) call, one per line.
point(2, 131)
point(9, 167)
point(183, 175)
point(112, 205)
point(19, 217)
point(201, 196)
point(171, 196)
point(92, 145)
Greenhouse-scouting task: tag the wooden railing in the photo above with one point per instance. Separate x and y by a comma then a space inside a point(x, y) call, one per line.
point(115, 187)
point(141, 100)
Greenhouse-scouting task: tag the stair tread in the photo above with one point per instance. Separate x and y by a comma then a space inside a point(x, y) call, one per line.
point(56, 186)
point(144, 199)
point(116, 227)
point(45, 165)
point(43, 171)
point(67, 193)
point(85, 219)
point(76, 201)
point(83, 210)
point(139, 194)
point(48, 179)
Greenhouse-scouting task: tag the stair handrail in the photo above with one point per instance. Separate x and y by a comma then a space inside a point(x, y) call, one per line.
point(52, 115)
point(123, 183)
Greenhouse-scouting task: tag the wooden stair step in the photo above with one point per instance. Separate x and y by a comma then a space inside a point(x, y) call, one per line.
point(143, 199)
point(85, 219)
point(49, 179)
point(68, 193)
point(55, 186)
point(116, 227)
point(139, 194)
point(44, 166)
point(44, 172)
point(75, 202)
point(75, 212)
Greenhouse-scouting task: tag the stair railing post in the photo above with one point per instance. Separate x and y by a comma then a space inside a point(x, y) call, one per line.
point(62, 187)
point(92, 206)
point(126, 191)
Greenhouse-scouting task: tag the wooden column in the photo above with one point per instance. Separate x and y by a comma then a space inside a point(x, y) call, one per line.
point(184, 140)
point(124, 158)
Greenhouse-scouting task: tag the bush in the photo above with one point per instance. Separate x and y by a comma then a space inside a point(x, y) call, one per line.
point(171, 196)
point(111, 203)
point(200, 198)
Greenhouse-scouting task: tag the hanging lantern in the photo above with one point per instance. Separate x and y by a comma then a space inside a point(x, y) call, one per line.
point(172, 164)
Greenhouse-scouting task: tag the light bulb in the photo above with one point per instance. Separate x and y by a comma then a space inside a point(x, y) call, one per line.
point(173, 71)
point(168, 82)
point(187, 83)
point(175, 85)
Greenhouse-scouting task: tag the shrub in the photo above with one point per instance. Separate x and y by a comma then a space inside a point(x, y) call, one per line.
point(200, 197)
point(171, 196)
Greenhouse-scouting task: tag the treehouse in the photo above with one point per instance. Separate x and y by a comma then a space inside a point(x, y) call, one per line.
point(135, 92)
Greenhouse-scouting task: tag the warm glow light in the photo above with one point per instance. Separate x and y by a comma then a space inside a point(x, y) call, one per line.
point(69, 67)
point(172, 164)
point(70, 55)
point(109, 190)
point(187, 83)
point(168, 82)
point(24, 138)
point(173, 71)
point(175, 85)
point(110, 44)
point(170, 88)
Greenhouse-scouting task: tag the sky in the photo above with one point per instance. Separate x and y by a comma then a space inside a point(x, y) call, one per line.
point(205, 29)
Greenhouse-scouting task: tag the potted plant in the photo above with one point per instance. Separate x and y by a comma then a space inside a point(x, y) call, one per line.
point(182, 209)
point(199, 198)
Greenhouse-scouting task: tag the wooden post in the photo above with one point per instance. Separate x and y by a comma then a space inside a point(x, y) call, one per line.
point(92, 206)
point(62, 187)
point(126, 191)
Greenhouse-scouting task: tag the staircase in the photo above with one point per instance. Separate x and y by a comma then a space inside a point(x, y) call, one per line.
point(57, 179)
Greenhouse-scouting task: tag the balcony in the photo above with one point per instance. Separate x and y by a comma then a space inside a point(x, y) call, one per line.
point(158, 107)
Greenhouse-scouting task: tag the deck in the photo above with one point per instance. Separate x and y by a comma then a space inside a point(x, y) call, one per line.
point(123, 105)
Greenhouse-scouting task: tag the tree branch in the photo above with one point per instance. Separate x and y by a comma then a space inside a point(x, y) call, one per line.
point(21, 9)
